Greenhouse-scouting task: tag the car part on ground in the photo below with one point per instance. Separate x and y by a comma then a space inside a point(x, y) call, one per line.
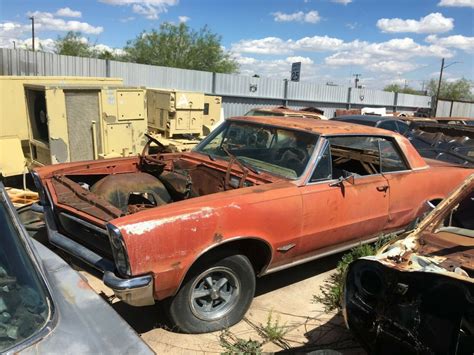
point(417, 294)
point(256, 187)
point(46, 307)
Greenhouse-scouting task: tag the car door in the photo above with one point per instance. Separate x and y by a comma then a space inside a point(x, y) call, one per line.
point(405, 194)
point(341, 213)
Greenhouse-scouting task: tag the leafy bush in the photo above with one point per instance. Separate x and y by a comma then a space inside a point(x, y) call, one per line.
point(333, 288)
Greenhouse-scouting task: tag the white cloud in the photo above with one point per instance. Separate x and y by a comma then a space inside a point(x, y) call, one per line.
point(456, 3)
point(150, 9)
point(392, 66)
point(183, 19)
point(268, 45)
point(106, 48)
point(300, 16)
point(432, 23)
point(278, 68)
point(46, 21)
point(343, 2)
point(67, 12)
point(275, 45)
point(456, 41)
point(317, 44)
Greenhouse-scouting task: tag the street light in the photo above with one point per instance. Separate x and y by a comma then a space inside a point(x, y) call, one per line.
point(32, 18)
point(439, 83)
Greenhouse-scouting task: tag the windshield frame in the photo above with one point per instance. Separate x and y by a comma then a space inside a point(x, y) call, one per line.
point(227, 122)
point(25, 246)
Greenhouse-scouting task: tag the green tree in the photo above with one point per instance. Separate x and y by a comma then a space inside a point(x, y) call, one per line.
point(456, 90)
point(73, 44)
point(179, 46)
point(403, 90)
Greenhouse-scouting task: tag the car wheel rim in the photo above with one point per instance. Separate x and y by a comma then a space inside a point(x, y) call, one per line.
point(214, 293)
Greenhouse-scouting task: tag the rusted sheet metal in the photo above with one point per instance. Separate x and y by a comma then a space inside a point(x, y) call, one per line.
point(165, 241)
point(122, 190)
point(416, 294)
point(71, 194)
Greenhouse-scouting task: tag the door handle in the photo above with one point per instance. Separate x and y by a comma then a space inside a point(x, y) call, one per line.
point(382, 188)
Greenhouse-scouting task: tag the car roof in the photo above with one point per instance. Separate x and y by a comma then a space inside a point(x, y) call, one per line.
point(367, 118)
point(321, 127)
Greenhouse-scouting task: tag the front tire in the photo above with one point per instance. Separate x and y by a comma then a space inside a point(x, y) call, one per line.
point(214, 296)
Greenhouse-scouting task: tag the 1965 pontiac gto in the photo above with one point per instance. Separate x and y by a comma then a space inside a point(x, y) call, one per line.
point(258, 195)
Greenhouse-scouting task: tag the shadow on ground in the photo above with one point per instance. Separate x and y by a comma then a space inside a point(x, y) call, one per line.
point(331, 337)
point(144, 319)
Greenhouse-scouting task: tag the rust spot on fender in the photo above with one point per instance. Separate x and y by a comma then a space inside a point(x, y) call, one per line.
point(218, 237)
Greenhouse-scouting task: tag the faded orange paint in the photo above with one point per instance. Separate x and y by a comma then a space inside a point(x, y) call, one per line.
point(165, 241)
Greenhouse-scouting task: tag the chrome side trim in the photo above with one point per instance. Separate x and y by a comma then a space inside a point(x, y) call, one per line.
point(324, 254)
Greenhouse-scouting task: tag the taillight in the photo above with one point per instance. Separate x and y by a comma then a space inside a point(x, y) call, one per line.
point(118, 250)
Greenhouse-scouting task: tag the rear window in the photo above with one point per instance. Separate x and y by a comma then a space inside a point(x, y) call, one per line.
point(24, 308)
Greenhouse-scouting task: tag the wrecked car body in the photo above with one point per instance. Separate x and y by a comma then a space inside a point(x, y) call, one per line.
point(196, 228)
point(447, 142)
point(416, 296)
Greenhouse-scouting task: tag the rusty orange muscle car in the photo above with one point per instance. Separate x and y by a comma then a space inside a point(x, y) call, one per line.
point(258, 195)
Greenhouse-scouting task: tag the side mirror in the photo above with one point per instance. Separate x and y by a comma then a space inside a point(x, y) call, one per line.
point(340, 182)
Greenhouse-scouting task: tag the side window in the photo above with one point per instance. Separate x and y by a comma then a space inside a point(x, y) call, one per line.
point(390, 157)
point(206, 109)
point(402, 127)
point(390, 125)
point(354, 155)
point(323, 170)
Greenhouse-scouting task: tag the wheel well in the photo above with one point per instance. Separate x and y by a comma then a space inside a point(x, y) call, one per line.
point(257, 251)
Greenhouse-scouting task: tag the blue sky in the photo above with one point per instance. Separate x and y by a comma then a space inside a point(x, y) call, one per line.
point(385, 41)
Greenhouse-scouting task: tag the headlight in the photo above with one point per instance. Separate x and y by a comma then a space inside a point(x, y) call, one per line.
point(118, 250)
point(370, 281)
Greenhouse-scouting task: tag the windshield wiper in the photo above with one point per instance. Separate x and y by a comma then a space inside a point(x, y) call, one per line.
point(243, 164)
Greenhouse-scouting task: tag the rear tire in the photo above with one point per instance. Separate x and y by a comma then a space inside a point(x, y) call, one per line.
point(214, 296)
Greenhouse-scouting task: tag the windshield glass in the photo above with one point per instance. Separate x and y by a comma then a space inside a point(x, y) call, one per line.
point(275, 150)
point(23, 306)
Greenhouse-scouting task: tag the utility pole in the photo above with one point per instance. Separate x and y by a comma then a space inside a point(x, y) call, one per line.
point(356, 80)
point(32, 18)
point(14, 44)
point(439, 86)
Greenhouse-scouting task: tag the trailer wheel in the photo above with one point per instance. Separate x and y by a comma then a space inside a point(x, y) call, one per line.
point(214, 296)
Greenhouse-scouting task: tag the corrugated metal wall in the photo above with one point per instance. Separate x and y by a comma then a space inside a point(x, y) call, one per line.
point(240, 93)
point(447, 108)
point(405, 100)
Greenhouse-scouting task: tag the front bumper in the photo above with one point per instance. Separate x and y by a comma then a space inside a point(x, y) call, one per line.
point(136, 291)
